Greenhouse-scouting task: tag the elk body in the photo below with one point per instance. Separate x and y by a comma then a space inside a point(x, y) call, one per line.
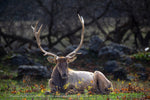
point(63, 78)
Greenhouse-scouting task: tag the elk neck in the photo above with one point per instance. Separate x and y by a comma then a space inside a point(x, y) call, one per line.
point(57, 79)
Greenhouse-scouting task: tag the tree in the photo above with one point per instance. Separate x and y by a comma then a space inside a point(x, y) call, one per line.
point(115, 21)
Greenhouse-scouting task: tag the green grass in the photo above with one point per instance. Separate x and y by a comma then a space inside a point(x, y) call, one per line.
point(112, 96)
point(27, 89)
point(141, 56)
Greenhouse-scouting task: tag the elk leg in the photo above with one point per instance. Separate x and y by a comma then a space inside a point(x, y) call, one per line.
point(102, 83)
point(52, 86)
point(71, 89)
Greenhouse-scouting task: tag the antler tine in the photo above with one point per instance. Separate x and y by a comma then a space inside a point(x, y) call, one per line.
point(72, 54)
point(37, 36)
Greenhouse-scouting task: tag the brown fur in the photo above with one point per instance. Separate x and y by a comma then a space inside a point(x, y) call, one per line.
point(57, 82)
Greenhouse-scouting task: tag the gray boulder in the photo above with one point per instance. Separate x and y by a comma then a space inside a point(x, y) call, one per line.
point(109, 53)
point(20, 60)
point(95, 44)
point(143, 76)
point(38, 52)
point(82, 50)
point(33, 71)
point(139, 67)
point(128, 61)
point(114, 51)
point(22, 50)
point(121, 48)
point(130, 78)
point(110, 66)
point(120, 73)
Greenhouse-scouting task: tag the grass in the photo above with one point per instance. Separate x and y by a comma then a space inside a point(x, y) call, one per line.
point(112, 96)
point(141, 56)
point(27, 89)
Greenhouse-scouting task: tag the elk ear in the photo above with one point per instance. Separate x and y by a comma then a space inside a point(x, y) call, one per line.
point(69, 60)
point(52, 60)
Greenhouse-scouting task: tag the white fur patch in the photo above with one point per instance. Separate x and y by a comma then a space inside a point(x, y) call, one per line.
point(80, 78)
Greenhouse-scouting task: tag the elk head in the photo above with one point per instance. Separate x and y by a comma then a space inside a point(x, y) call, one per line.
point(61, 62)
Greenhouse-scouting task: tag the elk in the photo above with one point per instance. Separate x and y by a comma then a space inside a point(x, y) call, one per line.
point(64, 79)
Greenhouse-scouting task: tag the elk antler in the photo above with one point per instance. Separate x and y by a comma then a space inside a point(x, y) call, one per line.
point(37, 36)
point(72, 54)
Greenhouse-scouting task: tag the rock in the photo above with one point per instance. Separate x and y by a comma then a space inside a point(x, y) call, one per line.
point(114, 51)
point(110, 66)
point(2, 51)
point(120, 73)
point(33, 71)
point(109, 53)
point(130, 78)
point(20, 60)
point(139, 67)
point(95, 44)
point(143, 76)
point(83, 50)
point(121, 48)
point(37, 52)
point(22, 50)
point(128, 61)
